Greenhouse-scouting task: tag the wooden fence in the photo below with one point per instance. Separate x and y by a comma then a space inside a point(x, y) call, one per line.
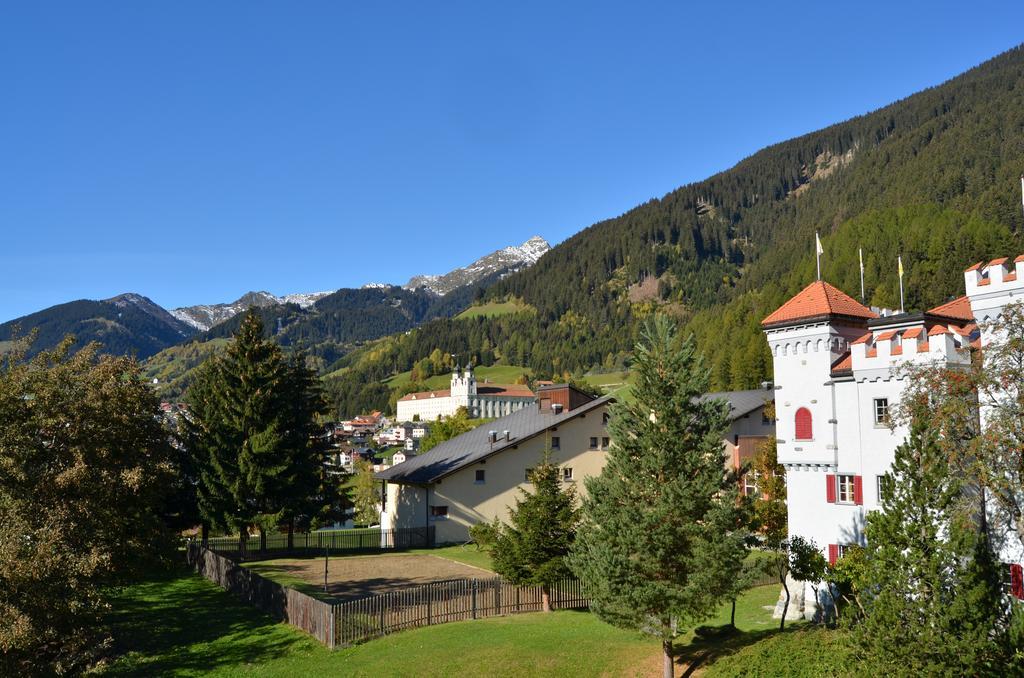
point(313, 616)
point(344, 623)
point(442, 602)
point(318, 542)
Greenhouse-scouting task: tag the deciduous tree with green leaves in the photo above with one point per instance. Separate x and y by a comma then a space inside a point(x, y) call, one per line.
point(662, 534)
point(365, 494)
point(531, 550)
point(446, 428)
point(85, 463)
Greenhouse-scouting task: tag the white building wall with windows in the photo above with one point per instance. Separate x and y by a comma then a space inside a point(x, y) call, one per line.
point(837, 372)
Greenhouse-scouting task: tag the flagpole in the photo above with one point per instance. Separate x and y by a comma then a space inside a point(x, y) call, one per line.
point(860, 255)
point(900, 260)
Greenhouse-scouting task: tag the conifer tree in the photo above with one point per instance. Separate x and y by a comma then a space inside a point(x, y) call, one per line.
point(252, 418)
point(931, 592)
point(531, 550)
point(661, 538)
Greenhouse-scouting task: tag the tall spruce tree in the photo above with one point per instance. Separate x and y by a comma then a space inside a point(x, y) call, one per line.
point(531, 550)
point(930, 589)
point(661, 538)
point(250, 429)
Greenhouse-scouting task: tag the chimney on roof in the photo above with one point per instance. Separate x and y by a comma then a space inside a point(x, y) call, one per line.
point(556, 408)
point(492, 436)
point(506, 435)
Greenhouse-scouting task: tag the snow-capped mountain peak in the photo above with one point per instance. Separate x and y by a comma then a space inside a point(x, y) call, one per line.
point(506, 260)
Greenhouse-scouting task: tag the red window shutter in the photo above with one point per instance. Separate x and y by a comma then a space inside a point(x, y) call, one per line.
point(833, 553)
point(804, 427)
point(1017, 581)
point(858, 490)
point(830, 488)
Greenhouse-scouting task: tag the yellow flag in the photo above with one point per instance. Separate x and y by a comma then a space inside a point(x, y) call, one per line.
point(900, 260)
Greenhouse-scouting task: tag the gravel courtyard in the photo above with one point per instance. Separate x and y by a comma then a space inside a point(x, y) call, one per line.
point(352, 577)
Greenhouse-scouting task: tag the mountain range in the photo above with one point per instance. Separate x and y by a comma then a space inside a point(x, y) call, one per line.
point(328, 322)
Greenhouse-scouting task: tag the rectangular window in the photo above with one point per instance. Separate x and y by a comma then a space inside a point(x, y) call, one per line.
point(879, 484)
point(881, 411)
point(556, 443)
point(604, 443)
point(566, 474)
point(480, 476)
point(845, 485)
point(593, 443)
point(439, 513)
point(750, 483)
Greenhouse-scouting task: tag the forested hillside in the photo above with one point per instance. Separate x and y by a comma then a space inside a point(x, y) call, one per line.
point(128, 324)
point(934, 176)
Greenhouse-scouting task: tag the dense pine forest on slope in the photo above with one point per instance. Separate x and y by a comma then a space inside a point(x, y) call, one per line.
point(934, 176)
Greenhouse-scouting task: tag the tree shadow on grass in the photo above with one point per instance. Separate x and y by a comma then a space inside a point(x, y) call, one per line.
point(717, 642)
point(173, 623)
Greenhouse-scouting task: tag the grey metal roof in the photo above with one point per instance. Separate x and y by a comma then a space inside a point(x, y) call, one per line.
point(472, 446)
point(742, 402)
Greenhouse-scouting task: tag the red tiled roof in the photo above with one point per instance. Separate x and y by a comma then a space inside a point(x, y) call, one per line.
point(958, 309)
point(938, 329)
point(426, 394)
point(997, 262)
point(886, 336)
point(844, 364)
point(862, 339)
point(1019, 258)
point(975, 267)
point(513, 391)
point(912, 333)
point(818, 299)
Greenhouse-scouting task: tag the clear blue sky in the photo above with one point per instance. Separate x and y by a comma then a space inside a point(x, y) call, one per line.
point(191, 151)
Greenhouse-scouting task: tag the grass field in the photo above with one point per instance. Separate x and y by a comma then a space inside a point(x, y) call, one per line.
point(183, 625)
point(496, 308)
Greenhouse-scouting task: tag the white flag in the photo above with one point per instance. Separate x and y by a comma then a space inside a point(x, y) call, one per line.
point(817, 243)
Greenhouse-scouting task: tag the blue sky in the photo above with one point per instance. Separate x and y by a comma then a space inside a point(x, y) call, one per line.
point(192, 151)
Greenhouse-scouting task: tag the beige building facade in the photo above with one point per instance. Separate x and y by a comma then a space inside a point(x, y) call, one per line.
point(477, 476)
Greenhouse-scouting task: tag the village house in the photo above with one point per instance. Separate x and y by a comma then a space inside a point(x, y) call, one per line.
point(488, 401)
point(750, 426)
point(837, 377)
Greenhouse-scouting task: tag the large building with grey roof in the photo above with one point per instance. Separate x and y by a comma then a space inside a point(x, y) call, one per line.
point(476, 476)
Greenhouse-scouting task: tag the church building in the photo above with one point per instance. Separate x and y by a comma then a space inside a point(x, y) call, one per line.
point(486, 400)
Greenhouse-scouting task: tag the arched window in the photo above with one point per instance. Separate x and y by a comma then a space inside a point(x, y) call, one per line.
point(804, 430)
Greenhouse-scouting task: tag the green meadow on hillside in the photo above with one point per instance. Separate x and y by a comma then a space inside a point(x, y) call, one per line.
point(495, 374)
point(493, 309)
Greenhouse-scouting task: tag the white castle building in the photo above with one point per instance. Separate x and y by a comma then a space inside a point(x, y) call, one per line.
point(480, 400)
point(836, 377)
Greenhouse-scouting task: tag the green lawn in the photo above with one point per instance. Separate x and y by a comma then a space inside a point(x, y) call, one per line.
point(183, 625)
point(496, 308)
